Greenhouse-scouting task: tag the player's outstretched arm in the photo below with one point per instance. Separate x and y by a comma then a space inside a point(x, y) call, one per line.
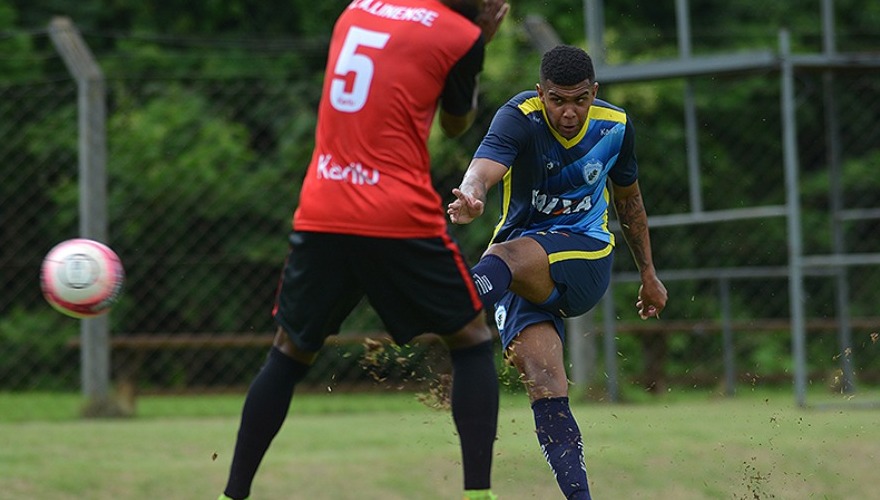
point(470, 196)
point(634, 223)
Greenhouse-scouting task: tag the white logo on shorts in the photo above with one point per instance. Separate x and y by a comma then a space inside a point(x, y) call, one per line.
point(500, 317)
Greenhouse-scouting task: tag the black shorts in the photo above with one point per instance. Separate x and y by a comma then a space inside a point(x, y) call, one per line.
point(415, 285)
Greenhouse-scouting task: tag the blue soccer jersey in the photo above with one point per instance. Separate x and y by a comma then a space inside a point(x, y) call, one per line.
point(553, 183)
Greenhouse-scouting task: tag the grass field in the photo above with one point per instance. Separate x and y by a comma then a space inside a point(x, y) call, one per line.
point(758, 445)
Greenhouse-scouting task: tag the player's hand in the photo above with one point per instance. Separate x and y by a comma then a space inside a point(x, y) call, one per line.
point(464, 209)
point(490, 17)
point(652, 297)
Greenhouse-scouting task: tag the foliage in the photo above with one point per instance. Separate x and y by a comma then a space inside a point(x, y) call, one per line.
point(24, 335)
point(19, 44)
point(211, 115)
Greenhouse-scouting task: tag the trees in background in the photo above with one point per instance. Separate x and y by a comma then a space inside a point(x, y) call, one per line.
point(211, 109)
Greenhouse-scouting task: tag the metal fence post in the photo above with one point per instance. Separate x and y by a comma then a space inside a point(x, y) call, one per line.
point(94, 351)
point(795, 236)
point(581, 340)
point(594, 20)
point(832, 125)
point(610, 345)
point(690, 108)
point(727, 338)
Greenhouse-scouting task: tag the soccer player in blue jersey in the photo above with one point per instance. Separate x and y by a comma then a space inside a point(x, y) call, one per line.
point(552, 152)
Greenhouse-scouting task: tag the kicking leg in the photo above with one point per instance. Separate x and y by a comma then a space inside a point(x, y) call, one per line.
point(520, 265)
point(537, 353)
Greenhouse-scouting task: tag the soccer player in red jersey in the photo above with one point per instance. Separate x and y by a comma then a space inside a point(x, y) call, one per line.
point(369, 222)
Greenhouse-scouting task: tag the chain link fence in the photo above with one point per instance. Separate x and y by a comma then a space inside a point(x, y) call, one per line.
point(726, 261)
point(203, 173)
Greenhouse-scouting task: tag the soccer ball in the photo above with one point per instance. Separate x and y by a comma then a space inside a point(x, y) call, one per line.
point(82, 278)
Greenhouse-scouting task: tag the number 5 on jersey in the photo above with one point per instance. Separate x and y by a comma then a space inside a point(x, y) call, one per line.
point(350, 61)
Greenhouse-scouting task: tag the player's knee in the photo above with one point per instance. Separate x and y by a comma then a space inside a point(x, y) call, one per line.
point(540, 386)
point(475, 332)
point(540, 379)
point(503, 251)
point(527, 262)
point(283, 343)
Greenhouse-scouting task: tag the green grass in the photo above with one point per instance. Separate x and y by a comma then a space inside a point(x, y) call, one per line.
point(758, 445)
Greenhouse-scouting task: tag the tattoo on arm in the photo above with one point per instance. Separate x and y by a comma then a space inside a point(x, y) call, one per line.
point(634, 223)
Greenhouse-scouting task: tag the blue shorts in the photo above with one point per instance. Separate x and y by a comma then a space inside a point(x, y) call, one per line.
point(581, 268)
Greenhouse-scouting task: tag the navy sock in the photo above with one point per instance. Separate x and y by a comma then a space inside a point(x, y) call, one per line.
point(561, 441)
point(492, 277)
point(265, 408)
point(475, 411)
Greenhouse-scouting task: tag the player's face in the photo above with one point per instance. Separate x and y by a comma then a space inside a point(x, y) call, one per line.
point(567, 106)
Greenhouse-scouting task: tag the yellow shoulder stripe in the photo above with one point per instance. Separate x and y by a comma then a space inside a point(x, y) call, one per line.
point(597, 113)
point(531, 105)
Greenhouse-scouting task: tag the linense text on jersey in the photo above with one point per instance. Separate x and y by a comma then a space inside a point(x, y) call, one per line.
point(396, 12)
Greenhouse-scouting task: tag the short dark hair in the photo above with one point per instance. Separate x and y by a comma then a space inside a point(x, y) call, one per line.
point(567, 65)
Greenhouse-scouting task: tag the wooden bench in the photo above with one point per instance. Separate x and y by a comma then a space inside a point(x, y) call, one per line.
point(165, 341)
point(134, 350)
point(147, 341)
point(131, 353)
point(655, 347)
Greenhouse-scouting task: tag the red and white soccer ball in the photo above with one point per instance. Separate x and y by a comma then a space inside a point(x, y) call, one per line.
point(82, 278)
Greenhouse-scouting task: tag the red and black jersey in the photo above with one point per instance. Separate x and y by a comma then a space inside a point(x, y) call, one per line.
point(389, 65)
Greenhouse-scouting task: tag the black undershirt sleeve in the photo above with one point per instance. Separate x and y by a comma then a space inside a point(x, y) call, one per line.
point(458, 94)
point(626, 170)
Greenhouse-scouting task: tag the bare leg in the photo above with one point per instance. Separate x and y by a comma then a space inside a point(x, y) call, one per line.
point(537, 352)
